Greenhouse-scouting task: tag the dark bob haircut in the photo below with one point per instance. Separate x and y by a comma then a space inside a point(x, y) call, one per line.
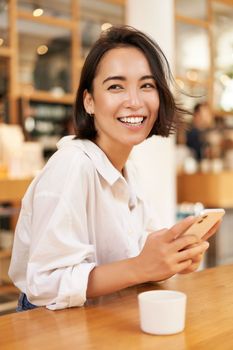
point(125, 36)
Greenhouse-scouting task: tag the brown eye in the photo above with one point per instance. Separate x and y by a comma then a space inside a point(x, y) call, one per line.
point(148, 86)
point(115, 87)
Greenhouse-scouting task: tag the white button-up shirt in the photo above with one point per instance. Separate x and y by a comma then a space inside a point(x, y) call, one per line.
point(79, 212)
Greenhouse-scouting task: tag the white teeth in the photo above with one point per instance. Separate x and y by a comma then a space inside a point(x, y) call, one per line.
point(131, 120)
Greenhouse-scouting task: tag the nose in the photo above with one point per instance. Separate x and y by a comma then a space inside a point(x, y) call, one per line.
point(133, 99)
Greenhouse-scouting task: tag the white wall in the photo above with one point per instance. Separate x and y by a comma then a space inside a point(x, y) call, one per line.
point(155, 158)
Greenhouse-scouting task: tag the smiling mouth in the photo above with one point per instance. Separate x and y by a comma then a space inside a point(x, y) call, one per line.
point(134, 121)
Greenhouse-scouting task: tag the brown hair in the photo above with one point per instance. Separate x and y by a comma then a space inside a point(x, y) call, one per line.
point(125, 36)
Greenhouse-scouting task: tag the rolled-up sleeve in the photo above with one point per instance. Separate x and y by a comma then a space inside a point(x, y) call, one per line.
point(60, 257)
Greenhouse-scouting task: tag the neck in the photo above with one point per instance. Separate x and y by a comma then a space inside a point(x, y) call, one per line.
point(117, 154)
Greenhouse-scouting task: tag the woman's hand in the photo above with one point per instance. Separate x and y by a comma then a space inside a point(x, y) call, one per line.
point(167, 252)
point(197, 260)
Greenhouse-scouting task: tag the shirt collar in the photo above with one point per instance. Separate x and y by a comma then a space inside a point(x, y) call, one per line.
point(103, 165)
point(98, 157)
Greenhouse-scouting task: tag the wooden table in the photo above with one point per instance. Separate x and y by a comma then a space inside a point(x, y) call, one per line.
point(113, 322)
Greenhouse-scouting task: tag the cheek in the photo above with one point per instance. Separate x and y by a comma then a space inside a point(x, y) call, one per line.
point(154, 103)
point(106, 105)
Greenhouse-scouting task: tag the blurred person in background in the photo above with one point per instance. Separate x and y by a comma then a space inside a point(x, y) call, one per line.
point(196, 138)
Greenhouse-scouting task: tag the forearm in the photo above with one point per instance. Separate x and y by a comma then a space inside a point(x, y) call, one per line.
point(164, 254)
point(109, 278)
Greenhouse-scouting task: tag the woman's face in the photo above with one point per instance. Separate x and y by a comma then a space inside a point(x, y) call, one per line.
point(124, 101)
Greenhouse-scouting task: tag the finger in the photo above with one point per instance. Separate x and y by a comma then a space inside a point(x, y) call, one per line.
point(183, 265)
point(179, 228)
point(212, 231)
point(160, 233)
point(191, 253)
point(193, 267)
point(182, 242)
point(198, 258)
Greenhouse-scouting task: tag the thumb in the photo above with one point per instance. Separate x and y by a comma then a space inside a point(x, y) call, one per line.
point(179, 229)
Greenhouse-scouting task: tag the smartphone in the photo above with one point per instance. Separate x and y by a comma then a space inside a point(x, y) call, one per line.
point(204, 221)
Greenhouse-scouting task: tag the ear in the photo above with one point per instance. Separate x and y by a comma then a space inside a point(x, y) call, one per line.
point(88, 102)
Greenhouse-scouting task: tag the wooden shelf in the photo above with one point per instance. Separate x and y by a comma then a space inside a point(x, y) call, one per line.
point(222, 113)
point(48, 20)
point(12, 190)
point(5, 253)
point(192, 21)
point(227, 2)
point(118, 2)
point(46, 96)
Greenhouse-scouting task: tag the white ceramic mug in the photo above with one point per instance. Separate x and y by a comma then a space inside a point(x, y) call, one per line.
point(162, 311)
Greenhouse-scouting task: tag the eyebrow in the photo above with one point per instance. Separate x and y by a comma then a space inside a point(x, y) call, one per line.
point(122, 78)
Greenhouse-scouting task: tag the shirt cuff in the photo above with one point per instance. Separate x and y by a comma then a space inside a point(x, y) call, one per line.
point(78, 288)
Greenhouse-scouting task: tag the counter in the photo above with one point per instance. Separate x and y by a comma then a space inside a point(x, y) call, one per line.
point(213, 190)
point(12, 190)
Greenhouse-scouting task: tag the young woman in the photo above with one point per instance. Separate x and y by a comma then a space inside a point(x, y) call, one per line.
point(84, 229)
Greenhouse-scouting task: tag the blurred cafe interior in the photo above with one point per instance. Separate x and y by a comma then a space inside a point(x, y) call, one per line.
point(42, 48)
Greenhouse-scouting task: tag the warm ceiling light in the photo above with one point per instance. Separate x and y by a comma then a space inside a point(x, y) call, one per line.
point(192, 75)
point(42, 49)
point(38, 12)
point(1, 41)
point(106, 26)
